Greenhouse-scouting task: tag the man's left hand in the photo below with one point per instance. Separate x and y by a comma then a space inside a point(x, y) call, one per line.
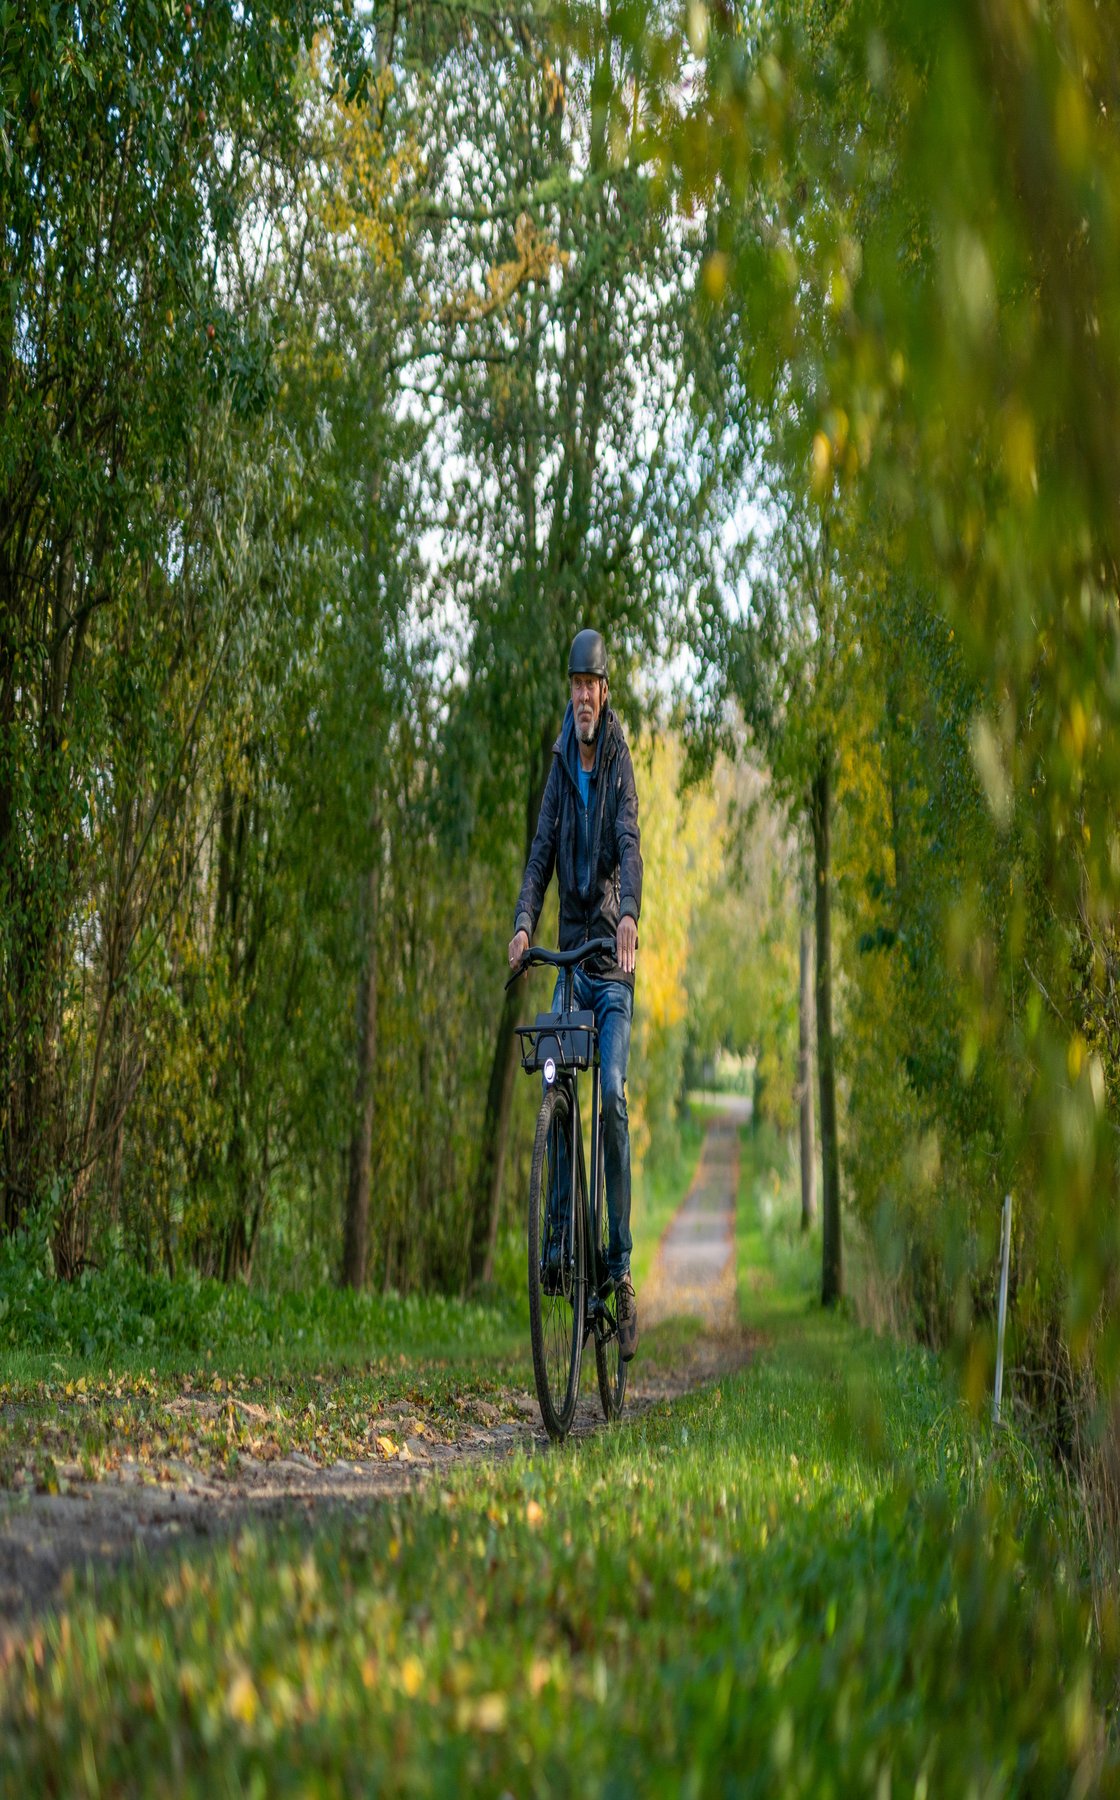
point(627, 944)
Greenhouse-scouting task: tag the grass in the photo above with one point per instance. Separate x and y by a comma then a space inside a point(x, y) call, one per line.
point(123, 1365)
point(120, 1365)
point(817, 1578)
point(778, 1265)
point(747, 1592)
point(121, 1319)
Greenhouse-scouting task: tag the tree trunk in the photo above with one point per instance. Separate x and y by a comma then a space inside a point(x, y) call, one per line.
point(29, 897)
point(486, 1210)
point(832, 1284)
point(355, 1247)
point(805, 1085)
point(495, 1136)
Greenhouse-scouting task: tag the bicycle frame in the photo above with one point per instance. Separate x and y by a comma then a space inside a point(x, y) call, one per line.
point(561, 1054)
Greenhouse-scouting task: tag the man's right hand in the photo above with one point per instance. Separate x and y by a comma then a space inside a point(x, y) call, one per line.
point(518, 948)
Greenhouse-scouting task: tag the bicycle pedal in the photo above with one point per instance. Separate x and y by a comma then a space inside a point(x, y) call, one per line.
point(601, 1320)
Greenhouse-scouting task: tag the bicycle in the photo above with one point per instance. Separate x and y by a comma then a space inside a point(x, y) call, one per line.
point(570, 1288)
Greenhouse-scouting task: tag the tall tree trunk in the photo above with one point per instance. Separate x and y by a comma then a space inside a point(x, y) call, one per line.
point(29, 999)
point(486, 1210)
point(805, 1084)
point(495, 1136)
point(355, 1248)
point(832, 1282)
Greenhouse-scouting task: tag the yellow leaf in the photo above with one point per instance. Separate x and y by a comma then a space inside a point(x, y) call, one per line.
point(412, 1676)
point(488, 1713)
point(387, 1446)
point(534, 1514)
point(821, 463)
point(241, 1701)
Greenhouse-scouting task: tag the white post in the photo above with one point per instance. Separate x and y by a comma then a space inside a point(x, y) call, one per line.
point(1005, 1259)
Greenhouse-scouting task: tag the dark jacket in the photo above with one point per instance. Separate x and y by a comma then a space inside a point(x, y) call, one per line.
point(614, 844)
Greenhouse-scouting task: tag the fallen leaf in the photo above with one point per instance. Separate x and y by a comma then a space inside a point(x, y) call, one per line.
point(250, 1409)
point(242, 1700)
point(489, 1713)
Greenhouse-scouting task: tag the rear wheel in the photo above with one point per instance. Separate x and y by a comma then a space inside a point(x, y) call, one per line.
point(557, 1287)
point(609, 1365)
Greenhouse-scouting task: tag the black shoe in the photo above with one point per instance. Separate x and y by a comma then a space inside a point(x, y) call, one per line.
point(627, 1312)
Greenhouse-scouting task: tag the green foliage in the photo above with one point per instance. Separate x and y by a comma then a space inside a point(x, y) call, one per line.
point(120, 1317)
point(136, 365)
point(742, 976)
point(681, 845)
point(910, 287)
point(777, 1263)
point(352, 365)
point(346, 368)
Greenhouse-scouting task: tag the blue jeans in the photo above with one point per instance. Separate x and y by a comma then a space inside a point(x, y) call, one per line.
point(612, 1002)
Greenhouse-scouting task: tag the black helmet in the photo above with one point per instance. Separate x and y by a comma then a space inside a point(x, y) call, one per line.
point(588, 655)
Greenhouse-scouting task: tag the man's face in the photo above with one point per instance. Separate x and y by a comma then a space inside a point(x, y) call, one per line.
point(587, 705)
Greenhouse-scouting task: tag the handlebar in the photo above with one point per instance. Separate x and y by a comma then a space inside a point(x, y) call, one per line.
point(563, 959)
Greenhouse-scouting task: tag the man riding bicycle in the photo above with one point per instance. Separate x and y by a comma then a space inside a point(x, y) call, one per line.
point(588, 831)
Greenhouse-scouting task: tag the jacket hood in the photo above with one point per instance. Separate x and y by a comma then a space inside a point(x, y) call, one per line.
point(566, 746)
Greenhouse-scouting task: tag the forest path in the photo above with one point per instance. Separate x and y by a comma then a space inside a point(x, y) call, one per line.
point(144, 1504)
point(694, 1274)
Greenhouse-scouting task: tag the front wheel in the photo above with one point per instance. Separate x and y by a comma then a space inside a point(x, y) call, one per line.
point(557, 1295)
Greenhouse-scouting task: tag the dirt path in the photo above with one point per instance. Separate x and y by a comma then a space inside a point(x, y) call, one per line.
point(145, 1504)
point(694, 1271)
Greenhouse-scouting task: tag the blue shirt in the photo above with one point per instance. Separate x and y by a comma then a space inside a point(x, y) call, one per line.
point(583, 832)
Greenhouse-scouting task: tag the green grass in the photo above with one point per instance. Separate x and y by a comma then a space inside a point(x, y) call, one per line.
point(753, 1591)
point(818, 1578)
point(121, 1365)
point(120, 1318)
point(777, 1264)
point(98, 1369)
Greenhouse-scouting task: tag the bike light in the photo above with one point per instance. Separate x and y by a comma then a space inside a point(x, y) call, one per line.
point(549, 1070)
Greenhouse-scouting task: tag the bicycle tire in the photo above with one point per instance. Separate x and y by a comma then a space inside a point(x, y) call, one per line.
point(556, 1319)
point(609, 1366)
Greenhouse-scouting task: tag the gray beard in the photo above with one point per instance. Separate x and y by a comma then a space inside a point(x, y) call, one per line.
point(587, 734)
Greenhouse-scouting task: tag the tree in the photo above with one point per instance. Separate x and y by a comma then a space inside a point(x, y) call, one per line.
point(742, 953)
point(132, 155)
point(909, 236)
point(563, 495)
point(788, 679)
point(806, 1133)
